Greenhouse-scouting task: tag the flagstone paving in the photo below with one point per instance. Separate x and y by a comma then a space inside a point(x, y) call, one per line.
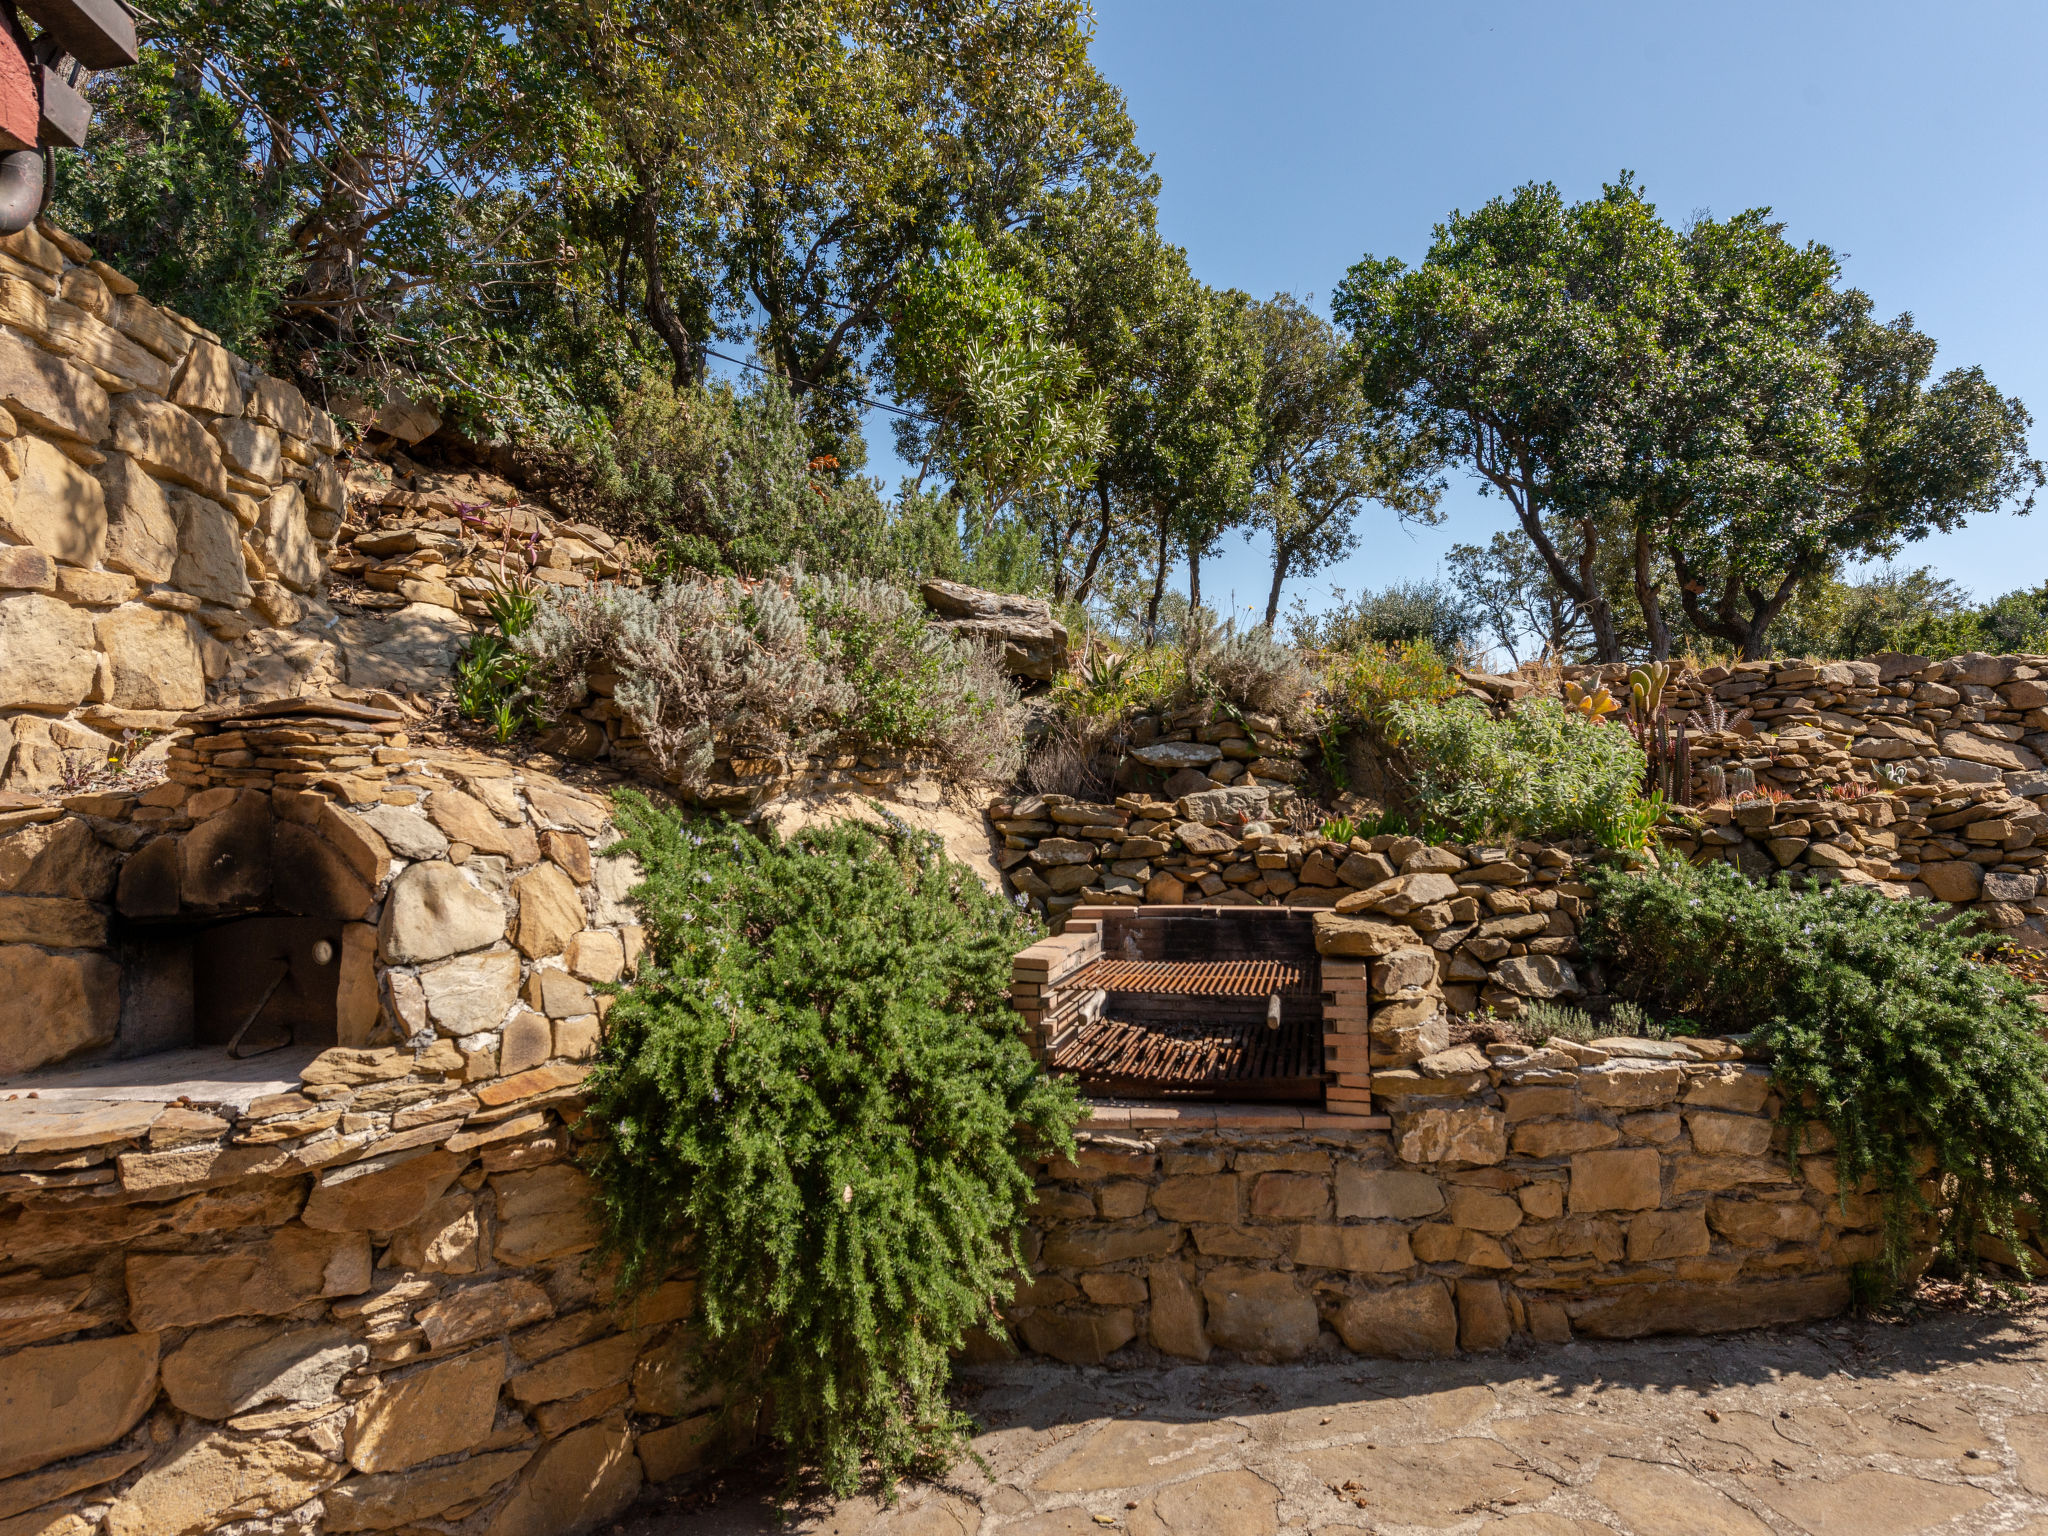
point(1939, 1426)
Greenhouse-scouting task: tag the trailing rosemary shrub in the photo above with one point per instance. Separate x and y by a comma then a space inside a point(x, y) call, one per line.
point(816, 1096)
point(1540, 770)
point(1878, 1021)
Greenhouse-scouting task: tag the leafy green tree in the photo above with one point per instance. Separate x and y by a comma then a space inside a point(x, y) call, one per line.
point(1901, 457)
point(1013, 405)
point(171, 195)
point(1507, 584)
point(1710, 400)
point(1405, 614)
point(1527, 342)
point(1830, 617)
point(1325, 449)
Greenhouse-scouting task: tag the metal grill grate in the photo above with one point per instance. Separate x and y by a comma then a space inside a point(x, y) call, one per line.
point(1242, 1060)
point(1200, 978)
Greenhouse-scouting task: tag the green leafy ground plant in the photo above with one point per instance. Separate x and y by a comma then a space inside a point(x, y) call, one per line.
point(1879, 1021)
point(1540, 770)
point(816, 1097)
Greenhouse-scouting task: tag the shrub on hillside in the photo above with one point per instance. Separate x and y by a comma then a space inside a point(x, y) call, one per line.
point(912, 687)
point(1540, 770)
point(816, 1095)
point(1878, 1021)
point(780, 668)
point(701, 663)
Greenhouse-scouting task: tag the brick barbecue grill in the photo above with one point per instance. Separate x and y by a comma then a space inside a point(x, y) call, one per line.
point(1191, 1003)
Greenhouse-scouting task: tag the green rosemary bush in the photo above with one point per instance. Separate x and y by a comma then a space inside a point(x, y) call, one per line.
point(816, 1096)
point(1877, 1019)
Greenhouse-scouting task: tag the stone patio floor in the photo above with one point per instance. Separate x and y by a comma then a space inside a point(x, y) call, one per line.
point(1856, 1428)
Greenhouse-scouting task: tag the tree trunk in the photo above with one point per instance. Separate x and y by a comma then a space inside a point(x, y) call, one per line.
point(1102, 537)
point(1158, 584)
point(686, 359)
point(1279, 576)
point(1194, 577)
point(1646, 596)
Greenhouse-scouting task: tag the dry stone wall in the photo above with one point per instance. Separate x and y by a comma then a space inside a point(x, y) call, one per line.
point(162, 500)
point(1568, 1191)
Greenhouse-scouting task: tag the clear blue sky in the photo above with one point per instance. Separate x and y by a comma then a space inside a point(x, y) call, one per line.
point(1294, 137)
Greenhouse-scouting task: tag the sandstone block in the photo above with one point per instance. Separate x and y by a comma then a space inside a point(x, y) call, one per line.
point(46, 652)
point(1079, 1338)
point(1734, 1135)
point(206, 380)
point(1176, 1324)
point(432, 912)
point(405, 832)
point(56, 921)
point(586, 1477)
point(1367, 937)
point(471, 992)
point(1197, 1197)
point(379, 1194)
point(47, 392)
point(1451, 1136)
point(392, 1499)
point(62, 1400)
point(596, 955)
point(55, 505)
point(1374, 1249)
point(221, 1372)
point(1729, 1086)
point(1259, 1312)
point(54, 1006)
point(251, 449)
point(543, 1213)
point(1630, 1312)
point(225, 861)
point(1409, 1322)
point(676, 1449)
point(152, 658)
point(209, 563)
point(550, 911)
point(574, 1372)
point(286, 541)
point(290, 1267)
point(1631, 1084)
point(1381, 1193)
point(1537, 975)
point(1626, 1180)
point(528, 1041)
point(1289, 1196)
point(211, 1480)
point(479, 1311)
point(1667, 1235)
point(1764, 1223)
point(170, 444)
point(1952, 879)
point(466, 819)
point(434, 1411)
point(1483, 1210)
point(1560, 1138)
point(1087, 1247)
point(1482, 1315)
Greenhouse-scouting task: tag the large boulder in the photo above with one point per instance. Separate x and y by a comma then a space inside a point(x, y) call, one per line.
point(1034, 642)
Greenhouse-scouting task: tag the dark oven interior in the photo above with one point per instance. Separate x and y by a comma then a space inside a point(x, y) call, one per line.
point(244, 984)
point(1201, 1003)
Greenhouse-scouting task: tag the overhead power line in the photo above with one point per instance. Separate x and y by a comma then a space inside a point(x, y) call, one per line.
point(837, 389)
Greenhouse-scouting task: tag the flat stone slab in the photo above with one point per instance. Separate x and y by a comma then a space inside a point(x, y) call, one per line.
point(205, 1076)
point(1844, 1428)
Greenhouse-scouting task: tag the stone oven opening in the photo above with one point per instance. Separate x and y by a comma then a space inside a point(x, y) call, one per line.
point(245, 985)
point(1187, 1003)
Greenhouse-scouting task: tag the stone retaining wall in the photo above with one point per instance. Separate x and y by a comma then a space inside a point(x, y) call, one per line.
point(1604, 1191)
point(358, 1303)
point(162, 500)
